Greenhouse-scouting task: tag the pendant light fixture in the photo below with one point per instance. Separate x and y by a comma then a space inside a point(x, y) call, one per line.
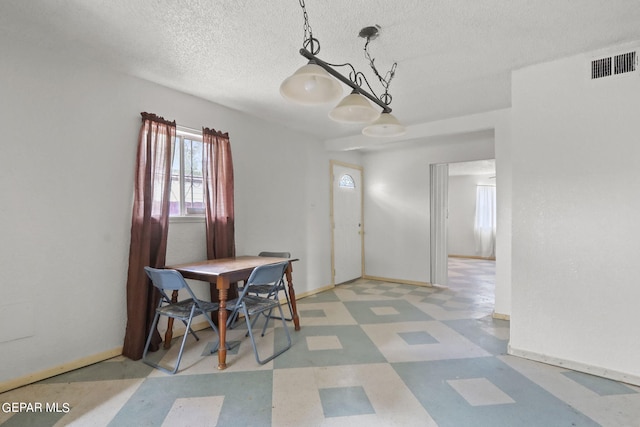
point(318, 82)
point(354, 108)
point(385, 125)
point(311, 85)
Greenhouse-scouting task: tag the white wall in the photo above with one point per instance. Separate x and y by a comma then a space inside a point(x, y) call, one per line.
point(504, 206)
point(462, 212)
point(396, 203)
point(576, 187)
point(66, 178)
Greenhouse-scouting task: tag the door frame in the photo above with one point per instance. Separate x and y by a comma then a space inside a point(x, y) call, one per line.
point(332, 164)
point(438, 227)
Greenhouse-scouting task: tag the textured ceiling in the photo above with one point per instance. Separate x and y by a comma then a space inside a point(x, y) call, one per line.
point(454, 57)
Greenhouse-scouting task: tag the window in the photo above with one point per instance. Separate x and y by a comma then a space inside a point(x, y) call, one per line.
point(485, 223)
point(485, 207)
point(346, 181)
point(187, 191)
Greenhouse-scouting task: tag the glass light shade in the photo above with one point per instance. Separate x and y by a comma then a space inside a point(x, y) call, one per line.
point(311, 85)
point(386, 125)
point(354, 108)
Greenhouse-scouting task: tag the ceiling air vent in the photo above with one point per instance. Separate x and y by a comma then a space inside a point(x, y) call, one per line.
point(614, 65)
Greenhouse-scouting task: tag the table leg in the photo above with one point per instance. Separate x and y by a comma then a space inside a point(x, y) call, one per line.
point(292, 298)
point(222, 285)
point(168, 336)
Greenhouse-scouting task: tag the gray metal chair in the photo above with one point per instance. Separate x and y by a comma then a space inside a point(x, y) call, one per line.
point(251, 305)
point(170, 280)
point(273, 291)
point(270, 290)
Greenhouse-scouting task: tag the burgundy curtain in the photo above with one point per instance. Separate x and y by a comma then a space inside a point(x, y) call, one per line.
point(218, 194)
point(218, 197)
point(149, 227)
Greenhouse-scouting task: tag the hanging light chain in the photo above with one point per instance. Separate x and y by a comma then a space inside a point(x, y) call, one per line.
point(307, 27)
point(309, 42)
point(384, 81)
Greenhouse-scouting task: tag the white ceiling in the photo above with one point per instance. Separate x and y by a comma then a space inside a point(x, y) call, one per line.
point(454, 57)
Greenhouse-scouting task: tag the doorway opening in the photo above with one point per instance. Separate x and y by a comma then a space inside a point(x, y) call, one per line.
point(459, 240)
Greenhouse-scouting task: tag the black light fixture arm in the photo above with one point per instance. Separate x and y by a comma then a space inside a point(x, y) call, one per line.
point(355, 82)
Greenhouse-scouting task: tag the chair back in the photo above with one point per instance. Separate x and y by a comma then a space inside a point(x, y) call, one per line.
point(275, 254)
point(164, 279)
point(266, 274)
point(168, 280)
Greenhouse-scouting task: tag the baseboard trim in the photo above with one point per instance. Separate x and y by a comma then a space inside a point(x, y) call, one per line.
point(402, 281)
point(576, 366)
point(473, 257)
point(81, 363)
point(313, 292)
point(501, 316)
point(61, 369)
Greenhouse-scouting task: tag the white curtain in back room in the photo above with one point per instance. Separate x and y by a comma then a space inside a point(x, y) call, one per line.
point(485, 223)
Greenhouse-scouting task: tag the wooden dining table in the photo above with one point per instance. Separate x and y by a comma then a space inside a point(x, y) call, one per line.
point(225, 271)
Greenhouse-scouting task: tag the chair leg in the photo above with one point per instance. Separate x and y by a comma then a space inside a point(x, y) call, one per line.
point(274, 295)
point(232, 319)
point(148, 343)
point(184, 339)
point(253, 342)
point(286, 295)
point(191, 331)
point(266, 321)
point(253, 323)
point(215, 329)
point(286, 330)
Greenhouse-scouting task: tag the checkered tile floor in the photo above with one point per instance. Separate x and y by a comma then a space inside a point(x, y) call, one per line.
point(369, 353)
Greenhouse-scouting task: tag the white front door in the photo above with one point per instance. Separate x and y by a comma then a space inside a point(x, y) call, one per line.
point(347, 222)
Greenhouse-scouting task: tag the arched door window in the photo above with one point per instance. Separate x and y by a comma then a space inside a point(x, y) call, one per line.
point(346, 181)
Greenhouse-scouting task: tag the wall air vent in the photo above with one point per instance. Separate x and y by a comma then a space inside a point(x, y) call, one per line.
point(624, 63)
point(600, 68)
point(614, 65)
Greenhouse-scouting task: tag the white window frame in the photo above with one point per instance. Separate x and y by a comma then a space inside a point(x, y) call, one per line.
point(181, 134)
